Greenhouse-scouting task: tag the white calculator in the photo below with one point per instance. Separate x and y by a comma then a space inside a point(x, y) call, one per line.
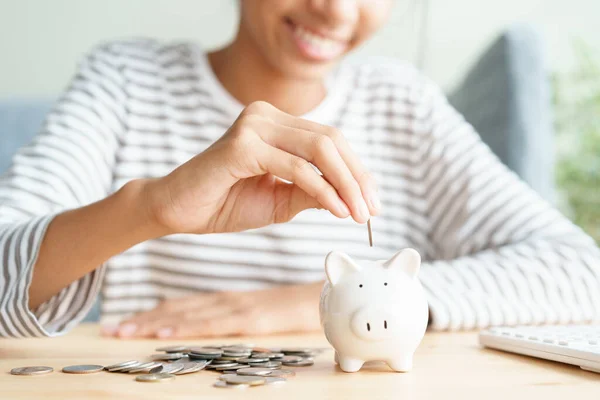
point(571, 344)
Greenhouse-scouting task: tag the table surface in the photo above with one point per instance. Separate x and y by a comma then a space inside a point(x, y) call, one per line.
point(445, 365)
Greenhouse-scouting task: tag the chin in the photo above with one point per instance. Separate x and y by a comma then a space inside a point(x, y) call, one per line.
point(305, 71)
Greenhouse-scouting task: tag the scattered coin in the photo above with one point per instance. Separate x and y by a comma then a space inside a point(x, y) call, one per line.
point(206, 351)
point(253, 359)
point(303, 363)
point(247, 380)
point(191, 367)
point(124, 364)
point(82, 369)
point(167, 356)
point(268, 364)
point(225, 385)
point(151, 367)
point(173, 349)
point(291, 359)
point(160, 377)
point(282, 373)
point(252, 371)
point(172, 368)
point(38, 370)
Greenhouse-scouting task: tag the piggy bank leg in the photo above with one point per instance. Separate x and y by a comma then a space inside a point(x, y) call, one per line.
point(400, 364)
point(348, 364)
point(336, 358)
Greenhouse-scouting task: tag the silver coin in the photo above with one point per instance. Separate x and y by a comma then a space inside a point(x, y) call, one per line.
point(232, 369)
point(218, 361)
point(173, 349)
point(303, 363)
point(230, 366)
point(191, 367)
point(234, 358)
point(248, 380)
point(254, 359)
point(225, 385)
point(268, 364)
point(155, 377)
point(82, 369)
point(276, 355)
point(206, 351)
point(291, 359)
point(273, 380)
point(124, 364)
point(225, 376)
point(37, 370)
point(167, 356)
point(127, 369)
point(172, 368)
point(149, 367)
point(237, 349)
point(254, 371)
point(282, 373)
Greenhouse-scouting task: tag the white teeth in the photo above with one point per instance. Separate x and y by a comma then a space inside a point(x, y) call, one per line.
point(321, 44)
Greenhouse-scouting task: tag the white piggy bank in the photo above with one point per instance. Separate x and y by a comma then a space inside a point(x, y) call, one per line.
point(374, 310)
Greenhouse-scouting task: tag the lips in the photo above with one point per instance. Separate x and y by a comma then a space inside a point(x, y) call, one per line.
point(316, 46)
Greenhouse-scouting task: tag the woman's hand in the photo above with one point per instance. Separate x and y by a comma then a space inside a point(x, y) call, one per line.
point(234, 185)
point(280, 310)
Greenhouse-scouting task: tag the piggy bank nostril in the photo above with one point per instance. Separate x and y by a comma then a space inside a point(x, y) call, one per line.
point(368, 327)
point(385, 324)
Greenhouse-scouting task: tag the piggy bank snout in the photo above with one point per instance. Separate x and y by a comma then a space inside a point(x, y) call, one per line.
point(373, 324)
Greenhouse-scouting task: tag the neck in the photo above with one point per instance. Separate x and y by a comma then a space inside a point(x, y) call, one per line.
point(248, 77)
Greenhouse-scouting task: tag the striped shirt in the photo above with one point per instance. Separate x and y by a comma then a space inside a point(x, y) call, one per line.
point(493, 251)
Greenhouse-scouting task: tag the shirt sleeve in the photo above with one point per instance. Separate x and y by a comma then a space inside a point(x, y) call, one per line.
point(503, 255)
point(68, 165)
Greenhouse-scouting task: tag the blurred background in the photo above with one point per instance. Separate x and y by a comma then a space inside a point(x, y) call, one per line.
point(526, 73)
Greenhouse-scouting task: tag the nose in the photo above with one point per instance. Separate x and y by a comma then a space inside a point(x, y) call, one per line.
point(372, 324)
point(336, 10)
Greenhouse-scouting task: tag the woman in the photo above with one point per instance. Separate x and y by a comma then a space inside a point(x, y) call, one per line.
point(164, 173)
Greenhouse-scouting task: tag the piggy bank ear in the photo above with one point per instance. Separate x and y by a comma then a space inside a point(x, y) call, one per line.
point(407, 260)
point(338, 264)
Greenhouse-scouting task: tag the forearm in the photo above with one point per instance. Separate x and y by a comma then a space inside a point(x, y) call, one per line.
point(532, 282)
point(80, 240)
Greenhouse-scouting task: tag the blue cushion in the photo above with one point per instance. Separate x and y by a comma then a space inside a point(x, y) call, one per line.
point(20, 121)
point(506, 97)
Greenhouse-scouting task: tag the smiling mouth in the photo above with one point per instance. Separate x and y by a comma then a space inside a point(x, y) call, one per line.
point(314, 45)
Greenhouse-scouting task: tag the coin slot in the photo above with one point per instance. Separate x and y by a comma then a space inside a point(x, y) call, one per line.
point(368, 327)
point(385, 324)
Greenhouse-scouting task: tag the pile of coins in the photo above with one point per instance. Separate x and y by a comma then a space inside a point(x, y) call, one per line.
point(241, 366)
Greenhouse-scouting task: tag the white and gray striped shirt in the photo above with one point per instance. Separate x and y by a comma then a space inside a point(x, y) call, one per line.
point(493, 251)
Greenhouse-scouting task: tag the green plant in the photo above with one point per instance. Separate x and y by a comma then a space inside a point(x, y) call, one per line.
point(576, 98)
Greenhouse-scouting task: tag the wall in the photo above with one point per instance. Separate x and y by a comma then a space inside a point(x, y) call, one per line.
point(40, 41)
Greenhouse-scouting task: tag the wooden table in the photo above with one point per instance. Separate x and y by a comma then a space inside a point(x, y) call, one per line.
point(447, 366)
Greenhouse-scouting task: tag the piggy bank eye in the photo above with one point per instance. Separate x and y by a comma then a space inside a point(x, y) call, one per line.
point(385, 284)
point(360, 285)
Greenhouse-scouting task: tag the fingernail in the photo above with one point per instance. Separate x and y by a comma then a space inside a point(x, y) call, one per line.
point(164, 333)
point(374, 200)
point(108, 330)
point(343, 208)
point(363, 211)
point(127, 330)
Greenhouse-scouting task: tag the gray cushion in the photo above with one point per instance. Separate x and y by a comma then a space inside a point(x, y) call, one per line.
point(506, 97)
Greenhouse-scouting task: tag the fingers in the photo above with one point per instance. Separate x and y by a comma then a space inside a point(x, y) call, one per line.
point(327, 148)
point(365, 180)
point(299, 171)
point(322, 152)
